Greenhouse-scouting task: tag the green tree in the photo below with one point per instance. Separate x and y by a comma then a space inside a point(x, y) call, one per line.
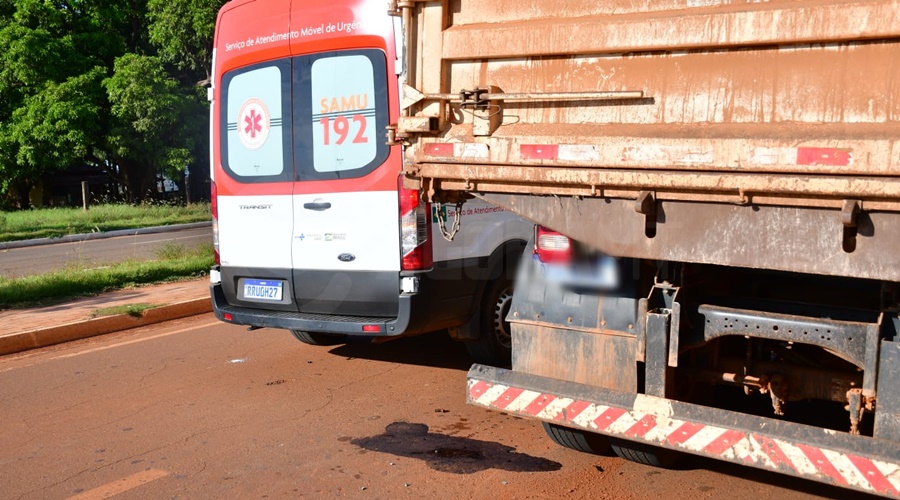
point(52, 100)
point(113, 83)
point(148, 135)
point(183, 31)
point(57, 126)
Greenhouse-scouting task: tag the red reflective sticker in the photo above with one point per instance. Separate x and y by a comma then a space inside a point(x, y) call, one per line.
point(439, 149)
point(830, 157)
point(539, 151)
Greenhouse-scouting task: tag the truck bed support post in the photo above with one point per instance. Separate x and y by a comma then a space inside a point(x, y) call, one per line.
point(659, 342)
point(887, 411)
point(870, 370)
point(657, 353)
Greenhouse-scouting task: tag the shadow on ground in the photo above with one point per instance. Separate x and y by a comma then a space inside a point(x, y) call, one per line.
point(456, 455)
point(435, 349)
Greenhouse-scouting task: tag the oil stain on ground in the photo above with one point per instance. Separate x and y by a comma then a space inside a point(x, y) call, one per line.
point(456, 455)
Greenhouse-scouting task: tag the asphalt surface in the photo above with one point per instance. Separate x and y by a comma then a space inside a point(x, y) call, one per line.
point(16, 262)
point(194, 408)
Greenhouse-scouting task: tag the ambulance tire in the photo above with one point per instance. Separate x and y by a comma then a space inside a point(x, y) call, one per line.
point(646, 454)
point(578, 440)
point(316, 338)
point(494, 343)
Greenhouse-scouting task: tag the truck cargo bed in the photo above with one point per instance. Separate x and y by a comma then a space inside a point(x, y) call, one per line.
point(772, 115)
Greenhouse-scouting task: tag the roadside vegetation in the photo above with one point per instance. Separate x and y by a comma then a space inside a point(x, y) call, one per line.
point(133, 310)
point(116, 86)
point(174, 263)
point(56, 222)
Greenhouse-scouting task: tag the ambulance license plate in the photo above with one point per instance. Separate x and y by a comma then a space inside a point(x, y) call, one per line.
point(269, 290)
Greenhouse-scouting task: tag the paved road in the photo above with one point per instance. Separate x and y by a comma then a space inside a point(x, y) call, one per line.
point(40, 259)
point(198, 409)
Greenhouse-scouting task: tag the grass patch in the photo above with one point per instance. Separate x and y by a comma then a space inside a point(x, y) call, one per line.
point(170, 251)
point(55, 287)
point(56, 222)
point(133, 310)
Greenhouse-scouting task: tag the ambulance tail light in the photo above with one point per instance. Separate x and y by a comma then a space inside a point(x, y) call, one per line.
point(551, 247)
point(415, 230)
point(214, 208)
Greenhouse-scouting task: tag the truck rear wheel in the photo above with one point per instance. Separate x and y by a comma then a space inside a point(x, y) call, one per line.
point(316, 338)
point(494, 343)
point(578, 440)
point(646, 454)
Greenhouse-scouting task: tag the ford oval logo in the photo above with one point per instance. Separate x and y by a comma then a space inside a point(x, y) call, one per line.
point(346, 257)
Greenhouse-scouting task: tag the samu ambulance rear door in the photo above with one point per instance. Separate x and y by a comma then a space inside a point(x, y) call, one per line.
point(346, 242)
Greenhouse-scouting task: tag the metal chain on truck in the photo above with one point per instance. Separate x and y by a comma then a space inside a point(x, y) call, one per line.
point(448, 235)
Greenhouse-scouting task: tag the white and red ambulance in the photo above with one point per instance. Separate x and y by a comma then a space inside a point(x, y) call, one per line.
point(314, 230)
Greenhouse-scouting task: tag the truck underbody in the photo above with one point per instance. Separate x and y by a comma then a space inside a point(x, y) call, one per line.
point(792, 373)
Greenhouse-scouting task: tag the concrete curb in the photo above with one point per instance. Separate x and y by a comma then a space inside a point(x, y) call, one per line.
point(99, 236)
point(44, 337)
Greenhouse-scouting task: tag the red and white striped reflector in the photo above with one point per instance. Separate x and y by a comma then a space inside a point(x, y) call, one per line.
point(539, 151)
point(687, 155)
point(564, 152)
point(829, 157)
point(649, 154)
point(650, 421)
point(456, 150)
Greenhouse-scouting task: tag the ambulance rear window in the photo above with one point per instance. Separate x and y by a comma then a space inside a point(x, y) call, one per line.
point(342, 101)
point(313, 117)
point(256, 123)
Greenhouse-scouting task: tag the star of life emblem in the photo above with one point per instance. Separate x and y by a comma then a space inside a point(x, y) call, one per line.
point(253, 123)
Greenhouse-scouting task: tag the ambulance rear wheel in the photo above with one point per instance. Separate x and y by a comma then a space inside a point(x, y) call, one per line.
point(494, 343)
point(316, 338)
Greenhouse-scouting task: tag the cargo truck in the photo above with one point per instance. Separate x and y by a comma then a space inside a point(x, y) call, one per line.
point(716, 189)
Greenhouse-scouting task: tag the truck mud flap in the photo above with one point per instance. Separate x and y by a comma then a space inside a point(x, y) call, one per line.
point(856, 462)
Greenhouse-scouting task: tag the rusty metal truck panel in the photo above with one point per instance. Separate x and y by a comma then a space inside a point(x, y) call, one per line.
point(746, 104)
point(806, 240)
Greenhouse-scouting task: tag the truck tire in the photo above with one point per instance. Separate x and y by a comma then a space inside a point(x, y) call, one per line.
point(578, 440)
point(316, 338)
point(646, 454)
point(494, 343)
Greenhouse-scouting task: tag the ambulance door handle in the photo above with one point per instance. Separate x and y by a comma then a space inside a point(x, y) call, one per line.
point(319, 206)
